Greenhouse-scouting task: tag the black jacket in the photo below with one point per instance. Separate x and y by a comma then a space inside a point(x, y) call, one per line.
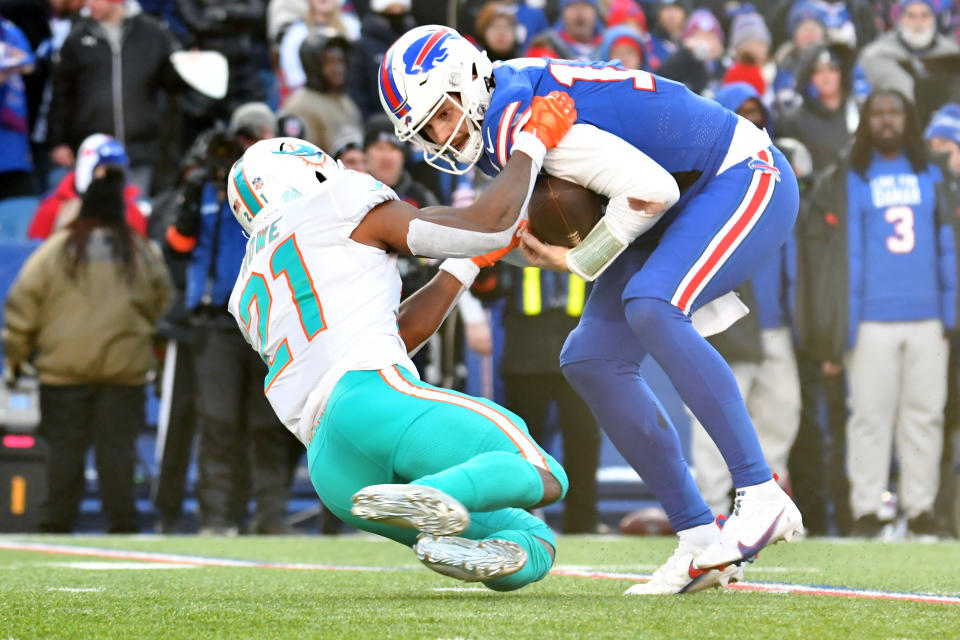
point(96, 90)
point(378, 33)
point(823, 272)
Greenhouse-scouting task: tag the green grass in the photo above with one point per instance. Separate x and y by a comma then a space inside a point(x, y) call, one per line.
point(235, 602)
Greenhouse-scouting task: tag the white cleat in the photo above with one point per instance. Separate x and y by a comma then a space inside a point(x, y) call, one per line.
point(470, 560)
point(411, 506)
point(763, 515)
point(679, 575)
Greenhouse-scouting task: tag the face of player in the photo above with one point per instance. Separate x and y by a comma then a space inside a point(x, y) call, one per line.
point(950, 149)
point(629, 55)
point(445, 121)
point(384, 162)
point(888, 120)
point(753, 111)
point(579, 21)
point(807, 33)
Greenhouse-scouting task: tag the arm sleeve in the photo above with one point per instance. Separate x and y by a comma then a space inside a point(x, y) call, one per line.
point(947, 250)
point(855, 254)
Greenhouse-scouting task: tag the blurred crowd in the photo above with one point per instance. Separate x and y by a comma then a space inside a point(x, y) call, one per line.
point(115, 150)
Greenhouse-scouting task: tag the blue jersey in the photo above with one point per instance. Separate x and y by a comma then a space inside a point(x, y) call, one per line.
point(686, 134)
point(895, 243)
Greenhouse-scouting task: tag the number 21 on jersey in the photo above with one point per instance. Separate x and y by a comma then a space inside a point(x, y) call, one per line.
point(286, 262)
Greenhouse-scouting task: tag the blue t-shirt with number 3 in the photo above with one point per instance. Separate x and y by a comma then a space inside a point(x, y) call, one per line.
point(686, 134)
point(896, 244)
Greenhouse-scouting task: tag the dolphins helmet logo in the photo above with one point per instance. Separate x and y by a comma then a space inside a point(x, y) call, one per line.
point(426, 52)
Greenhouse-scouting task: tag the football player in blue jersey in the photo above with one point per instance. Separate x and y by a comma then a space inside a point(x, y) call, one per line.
point(698, 199)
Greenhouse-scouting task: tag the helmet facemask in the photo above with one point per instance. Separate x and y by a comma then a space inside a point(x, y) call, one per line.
point(443, 155)
point(412, 96)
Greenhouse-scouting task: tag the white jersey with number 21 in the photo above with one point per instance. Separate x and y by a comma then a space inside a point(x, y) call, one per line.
point(314, 303)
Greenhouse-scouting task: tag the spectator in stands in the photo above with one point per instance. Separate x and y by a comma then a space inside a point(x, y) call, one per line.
point(667, 31)
point(232, 410)
point(696, 62)
point(895, 58)
point(323, 103)
point(627, 45)
point(114, 37)
point(850, 22)
point(877, 249)
point(576, 36)
point(496, 29)
point(759, 349)
point(61, 207)
point(543, 307)
point(387, 21)
point(347, 147)
point(224, 26)
point(83, 308)
point(16, 163)
point(386, 159)
point(805, 29)
point(750, 52)
point(322, 17)
point(943, 139)
point(828, 116)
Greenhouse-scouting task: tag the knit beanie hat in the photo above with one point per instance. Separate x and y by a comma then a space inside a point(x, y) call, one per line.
point(747, 27)
point(703, 20)
point(945, 123)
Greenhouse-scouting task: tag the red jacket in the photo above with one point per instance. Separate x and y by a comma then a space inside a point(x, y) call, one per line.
point(45, 219)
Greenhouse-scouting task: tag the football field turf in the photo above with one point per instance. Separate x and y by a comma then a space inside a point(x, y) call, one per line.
point(362, 587)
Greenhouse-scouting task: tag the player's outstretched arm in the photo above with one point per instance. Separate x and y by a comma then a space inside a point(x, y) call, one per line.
point(423, 312)
point(490, 222)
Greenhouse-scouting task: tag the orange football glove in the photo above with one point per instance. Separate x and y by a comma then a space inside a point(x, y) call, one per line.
point(490, 259)
point(551, 116)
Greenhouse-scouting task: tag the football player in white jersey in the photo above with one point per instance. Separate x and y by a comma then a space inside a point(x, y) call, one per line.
point(318, 296)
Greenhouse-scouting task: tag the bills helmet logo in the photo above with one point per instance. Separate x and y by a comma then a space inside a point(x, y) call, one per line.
point(426, 52)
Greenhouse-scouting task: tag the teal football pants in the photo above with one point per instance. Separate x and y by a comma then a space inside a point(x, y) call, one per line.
point(388, 427)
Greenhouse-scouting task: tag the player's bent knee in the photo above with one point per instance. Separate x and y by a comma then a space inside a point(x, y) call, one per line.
point(554, 486)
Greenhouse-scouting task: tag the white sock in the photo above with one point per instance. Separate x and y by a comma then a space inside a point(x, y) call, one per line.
point(700, 537)
point(768, 488)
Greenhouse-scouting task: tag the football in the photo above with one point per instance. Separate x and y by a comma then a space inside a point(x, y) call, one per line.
point(561, 212)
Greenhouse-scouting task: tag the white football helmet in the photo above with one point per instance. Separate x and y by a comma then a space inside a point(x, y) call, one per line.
point(274, 172)
point(417, 73)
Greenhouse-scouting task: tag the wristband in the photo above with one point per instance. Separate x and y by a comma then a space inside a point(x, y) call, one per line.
point(463, 269)
point(531, 145)
point(595, 253)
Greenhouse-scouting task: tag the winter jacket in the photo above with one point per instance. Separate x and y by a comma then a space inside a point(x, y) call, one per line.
point(887, 59)
point(98, 90)
point(826, 133)
point(823, 294)
point(95, 329)
point(55, 210)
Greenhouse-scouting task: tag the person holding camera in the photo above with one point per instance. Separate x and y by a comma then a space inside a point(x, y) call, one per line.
point(232, 411)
